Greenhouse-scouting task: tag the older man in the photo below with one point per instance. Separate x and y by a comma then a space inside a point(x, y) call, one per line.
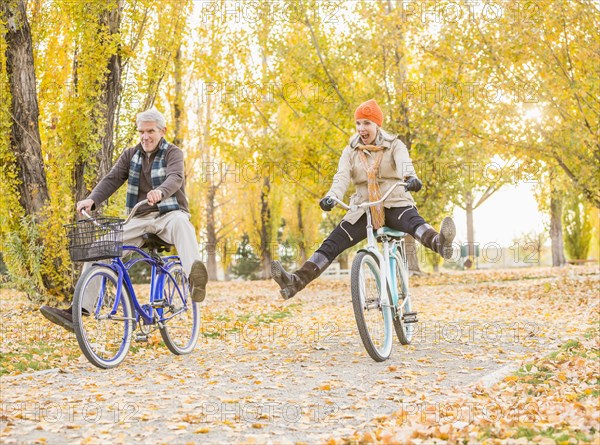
point(153, 170)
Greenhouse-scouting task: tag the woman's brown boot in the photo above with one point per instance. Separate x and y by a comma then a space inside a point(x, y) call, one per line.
point(438, 242)
point(292, 283)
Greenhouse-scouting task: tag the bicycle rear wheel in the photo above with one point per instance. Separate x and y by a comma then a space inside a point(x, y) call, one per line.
point(103, 328)
point(404, 331)
point(181, 316)
point(373, 315)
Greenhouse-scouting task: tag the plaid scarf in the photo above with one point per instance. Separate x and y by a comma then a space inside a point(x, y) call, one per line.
point(158, 175)
point(377, 212)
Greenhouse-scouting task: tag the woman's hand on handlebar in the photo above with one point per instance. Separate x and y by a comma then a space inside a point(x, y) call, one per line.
point(86, 205)
point(413, 184)
point(326, 204)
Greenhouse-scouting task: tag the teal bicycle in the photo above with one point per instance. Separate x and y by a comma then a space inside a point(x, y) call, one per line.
point(106, 310)
point(379, 284)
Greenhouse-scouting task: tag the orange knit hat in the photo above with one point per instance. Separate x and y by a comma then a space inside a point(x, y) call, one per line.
point(369, 110)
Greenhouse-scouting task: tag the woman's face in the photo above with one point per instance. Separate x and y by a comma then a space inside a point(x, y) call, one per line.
point(367, 130)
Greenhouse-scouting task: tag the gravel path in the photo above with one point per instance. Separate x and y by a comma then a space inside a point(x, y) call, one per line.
point(296, 373)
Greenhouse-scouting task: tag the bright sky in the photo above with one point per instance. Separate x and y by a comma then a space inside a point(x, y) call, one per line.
point(506, 215)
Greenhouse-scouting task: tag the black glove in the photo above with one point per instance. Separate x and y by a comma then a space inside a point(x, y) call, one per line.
point(413, 184)
point(327, 203)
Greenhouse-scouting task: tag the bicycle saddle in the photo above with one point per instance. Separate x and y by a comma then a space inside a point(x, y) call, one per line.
point(394, 234)
point(152, 241)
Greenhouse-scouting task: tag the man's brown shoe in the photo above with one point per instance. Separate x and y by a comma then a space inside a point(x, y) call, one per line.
point(198, 279)
point(61, 317)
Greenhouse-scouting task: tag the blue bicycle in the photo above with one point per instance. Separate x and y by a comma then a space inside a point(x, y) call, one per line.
point(379, 285)
point(106, 310)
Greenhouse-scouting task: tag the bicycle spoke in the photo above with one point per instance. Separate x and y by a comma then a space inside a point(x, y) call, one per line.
point(180, 323)
point(372, 316)
point(104, 335)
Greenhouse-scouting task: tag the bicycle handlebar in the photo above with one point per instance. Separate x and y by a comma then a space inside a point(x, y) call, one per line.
point(134, 210)
point(332, 199)
point(131, 214)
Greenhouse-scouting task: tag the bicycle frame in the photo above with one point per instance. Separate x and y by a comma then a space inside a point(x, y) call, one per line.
point(107, 291)
point(157, 279)
point(157, 276)
point(386, 257)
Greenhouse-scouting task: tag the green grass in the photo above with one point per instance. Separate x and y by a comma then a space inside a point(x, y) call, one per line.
point(35, 359)
point(540, 375)
point(250, 319)
point(265, 318)
point(595, 393)
point(573, 348)
point(557, 435)
point(274, 316)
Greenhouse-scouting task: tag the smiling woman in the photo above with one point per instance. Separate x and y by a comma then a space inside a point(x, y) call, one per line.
point(376, 162)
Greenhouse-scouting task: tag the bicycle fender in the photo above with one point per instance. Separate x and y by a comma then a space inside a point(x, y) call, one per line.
point(108, 266)
point(375, 255)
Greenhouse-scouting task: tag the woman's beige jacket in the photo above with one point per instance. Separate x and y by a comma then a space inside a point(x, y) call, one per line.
point(396, 165)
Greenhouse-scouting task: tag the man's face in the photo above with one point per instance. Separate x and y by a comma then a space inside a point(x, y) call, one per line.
point(150, 135)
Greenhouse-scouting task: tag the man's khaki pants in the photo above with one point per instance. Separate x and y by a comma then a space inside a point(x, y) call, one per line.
point(173, 227)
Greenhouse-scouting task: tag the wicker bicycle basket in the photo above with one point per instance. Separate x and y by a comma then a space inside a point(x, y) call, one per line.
point(95, 239)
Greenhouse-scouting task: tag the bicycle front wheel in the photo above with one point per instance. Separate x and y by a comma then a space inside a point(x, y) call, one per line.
point(404, 330)
point(180, 324)
point(103, 328)
point(373, 314)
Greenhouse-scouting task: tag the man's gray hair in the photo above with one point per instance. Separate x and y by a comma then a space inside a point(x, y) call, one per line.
point(152, 115)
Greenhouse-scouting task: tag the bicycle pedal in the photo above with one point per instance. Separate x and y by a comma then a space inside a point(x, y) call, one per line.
point(141, 338)
point(410, 317)
point(158, 303)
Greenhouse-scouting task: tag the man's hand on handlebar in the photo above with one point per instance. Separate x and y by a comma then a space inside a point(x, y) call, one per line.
point(326, 204)
point(86, 204)
point(154, 197)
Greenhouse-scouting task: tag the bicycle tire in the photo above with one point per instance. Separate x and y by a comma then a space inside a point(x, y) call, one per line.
point(104, 342)
point(404, 331)
point(369, 309)
point(180, 333)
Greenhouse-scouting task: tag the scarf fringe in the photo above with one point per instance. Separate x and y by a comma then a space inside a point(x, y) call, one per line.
point(377, 212)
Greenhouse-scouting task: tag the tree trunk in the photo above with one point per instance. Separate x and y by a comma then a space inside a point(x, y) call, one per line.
point(556, 233)
point(470, 227)
point(25, 133)
point(178, 102)
point(343, 260)
point(265, 229)
point(106, 104)
point(25, 141)
point(211, 195)
point(211, 233)
point(301, 243)
point(80, 190)
point(411, 255)
point(110, 92)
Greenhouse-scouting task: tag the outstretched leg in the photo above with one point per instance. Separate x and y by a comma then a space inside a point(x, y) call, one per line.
point(345, 235)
